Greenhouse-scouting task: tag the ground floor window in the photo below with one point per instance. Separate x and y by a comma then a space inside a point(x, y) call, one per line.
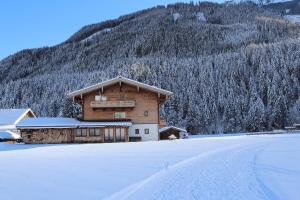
point(120, 134)
point(94, 132)
point(81, 132)
point(109, 134)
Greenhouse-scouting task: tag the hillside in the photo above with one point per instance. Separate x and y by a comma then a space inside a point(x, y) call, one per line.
point(232, 67)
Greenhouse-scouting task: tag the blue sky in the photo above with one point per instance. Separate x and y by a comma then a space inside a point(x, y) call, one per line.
point(38, 23)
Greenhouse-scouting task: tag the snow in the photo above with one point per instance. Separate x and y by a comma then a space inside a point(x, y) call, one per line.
point(176, 16)
point(11, 116)
point(225, 167)
point(7, 127)
point(64, 122)
point(9, 135)
point(293, 18)
point(94, 35)
point(259, 2)
point(201, 17)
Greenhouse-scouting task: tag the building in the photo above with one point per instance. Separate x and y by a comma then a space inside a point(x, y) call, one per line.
point(9, 136)
point(117, 110)
point(166, 132)
point(9, 118)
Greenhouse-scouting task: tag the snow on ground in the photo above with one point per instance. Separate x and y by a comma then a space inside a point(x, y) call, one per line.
point(94, 35)
point(227, 167)
point(293, 18)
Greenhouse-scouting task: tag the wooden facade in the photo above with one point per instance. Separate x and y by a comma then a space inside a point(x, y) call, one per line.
point(68, 135)
point(116, 100)
point(145, 109)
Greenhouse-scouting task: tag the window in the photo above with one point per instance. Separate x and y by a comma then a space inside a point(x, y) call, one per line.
point(137, 131)
point(81, 132)
point(121, 98)
point(94, 132)
point(146, 131)
point(146, 113)
point(84, 132)
point(120, 115)
point(97, 132)
point(100, 98)
point(78, 132)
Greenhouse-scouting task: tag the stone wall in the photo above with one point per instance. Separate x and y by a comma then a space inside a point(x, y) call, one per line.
point(47, 136)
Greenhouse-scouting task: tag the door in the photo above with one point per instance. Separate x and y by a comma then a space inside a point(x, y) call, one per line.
point(120, 134)
point(108, 135)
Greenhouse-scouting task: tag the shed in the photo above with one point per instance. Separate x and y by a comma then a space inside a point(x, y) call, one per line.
point(10, 117)
point(167, 131)
point(9, 136)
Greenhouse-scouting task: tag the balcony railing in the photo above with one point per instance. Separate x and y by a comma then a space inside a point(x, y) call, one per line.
point(113, 104)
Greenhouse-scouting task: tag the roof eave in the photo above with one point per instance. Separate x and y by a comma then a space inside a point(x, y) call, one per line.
point(115, 80)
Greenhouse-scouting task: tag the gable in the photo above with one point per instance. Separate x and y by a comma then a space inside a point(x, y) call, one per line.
point(13, 116)
point(118, 80)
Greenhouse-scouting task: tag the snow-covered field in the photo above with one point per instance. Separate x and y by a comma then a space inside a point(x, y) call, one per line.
point(228, 167)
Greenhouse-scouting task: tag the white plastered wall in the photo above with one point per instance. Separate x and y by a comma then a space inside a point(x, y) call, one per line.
point(153, 131)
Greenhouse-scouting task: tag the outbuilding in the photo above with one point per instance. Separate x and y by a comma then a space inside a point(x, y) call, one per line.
point(9, 136)
point(9, 118)
point(167, 131)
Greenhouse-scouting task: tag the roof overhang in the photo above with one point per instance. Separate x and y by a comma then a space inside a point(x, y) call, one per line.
point(65, 123)
point(120, 80)
point(164, 129)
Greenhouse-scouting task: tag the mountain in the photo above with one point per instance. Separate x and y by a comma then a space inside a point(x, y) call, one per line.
point(285, 7)
point(232, 67)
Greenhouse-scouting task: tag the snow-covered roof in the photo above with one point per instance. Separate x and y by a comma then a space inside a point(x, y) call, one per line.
point(13, 116)
point(171, 127)
point(9, 135)
point(119, 79)
point(46, 122)
point(7, 127)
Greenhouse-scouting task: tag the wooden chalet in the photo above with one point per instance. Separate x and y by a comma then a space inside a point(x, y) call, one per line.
point(117, 110)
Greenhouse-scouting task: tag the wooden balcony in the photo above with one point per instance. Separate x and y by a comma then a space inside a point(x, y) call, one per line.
point(112, 104)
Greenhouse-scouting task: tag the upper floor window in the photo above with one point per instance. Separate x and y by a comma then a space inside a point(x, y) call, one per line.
point(146, 131)
point(120, 115)
point(146, 113)
point(121, 98)
point(100, 98)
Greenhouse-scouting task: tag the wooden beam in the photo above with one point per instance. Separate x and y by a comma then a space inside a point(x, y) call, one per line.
point(102, 89)
point(138, 88)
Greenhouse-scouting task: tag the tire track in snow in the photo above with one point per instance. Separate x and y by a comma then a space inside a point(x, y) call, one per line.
point(268, 192)
point(132, 189)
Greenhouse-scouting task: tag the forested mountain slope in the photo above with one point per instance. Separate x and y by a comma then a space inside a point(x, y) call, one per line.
point(232, 67)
